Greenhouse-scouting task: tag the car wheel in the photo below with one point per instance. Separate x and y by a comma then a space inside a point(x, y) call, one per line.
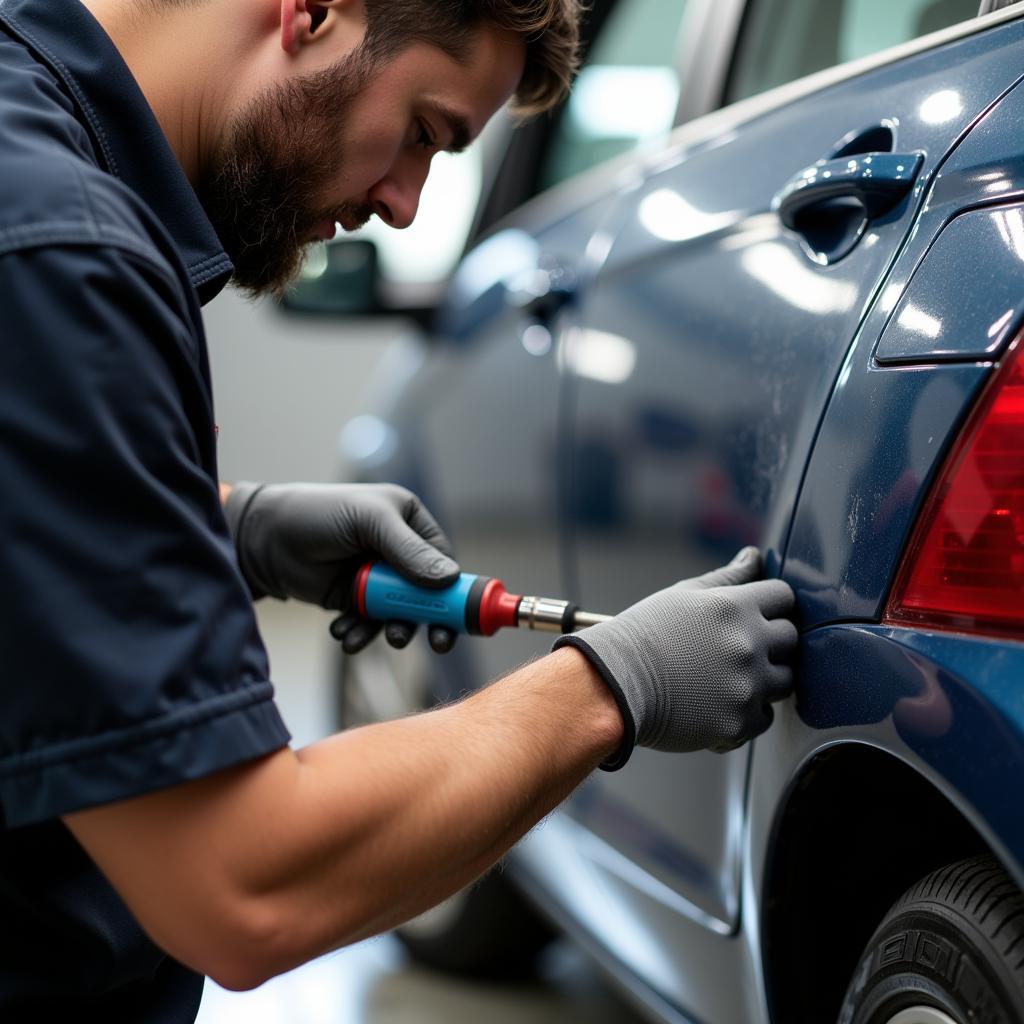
point(950, 951)
point(488, 929)
point(485, 931)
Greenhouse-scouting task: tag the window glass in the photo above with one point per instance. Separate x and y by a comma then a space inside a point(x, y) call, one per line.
point(786, 39)
point(627, 91)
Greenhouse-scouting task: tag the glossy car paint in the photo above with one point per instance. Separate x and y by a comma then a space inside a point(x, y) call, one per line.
point(960, 323)
point(636, 387)
point(886, 425)
point(938, 693)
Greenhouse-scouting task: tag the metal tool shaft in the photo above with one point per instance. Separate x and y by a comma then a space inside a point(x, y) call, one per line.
point(550, 615)
point(543, 613)
point(583, 619)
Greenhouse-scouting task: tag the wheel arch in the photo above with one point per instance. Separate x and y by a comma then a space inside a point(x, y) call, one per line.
point(857, 829)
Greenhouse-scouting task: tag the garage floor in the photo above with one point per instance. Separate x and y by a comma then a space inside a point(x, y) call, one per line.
point(373, 983)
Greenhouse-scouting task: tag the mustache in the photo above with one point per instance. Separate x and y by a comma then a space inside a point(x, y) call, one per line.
point(350, 215)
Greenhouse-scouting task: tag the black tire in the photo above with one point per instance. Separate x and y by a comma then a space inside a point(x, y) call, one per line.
point(488, 930)
point(485, 931)
point(950, 950)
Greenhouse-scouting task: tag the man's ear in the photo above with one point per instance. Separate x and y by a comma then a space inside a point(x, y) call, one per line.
point(296, 20)
point(300, 19)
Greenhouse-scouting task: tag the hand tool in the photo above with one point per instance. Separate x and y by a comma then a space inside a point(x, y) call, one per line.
point(478, 605)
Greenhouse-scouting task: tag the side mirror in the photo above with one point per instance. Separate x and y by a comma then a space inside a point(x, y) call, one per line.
point(341, 277)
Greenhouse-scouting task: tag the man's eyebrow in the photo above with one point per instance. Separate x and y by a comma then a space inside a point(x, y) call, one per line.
point(458, 127)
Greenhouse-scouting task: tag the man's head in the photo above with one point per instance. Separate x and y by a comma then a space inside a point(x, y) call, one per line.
point(359, 97)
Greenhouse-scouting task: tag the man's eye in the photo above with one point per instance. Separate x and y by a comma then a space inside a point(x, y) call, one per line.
point(423, 137)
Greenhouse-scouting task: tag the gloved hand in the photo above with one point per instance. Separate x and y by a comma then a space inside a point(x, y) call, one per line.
point(308, 541)
point(697, 665)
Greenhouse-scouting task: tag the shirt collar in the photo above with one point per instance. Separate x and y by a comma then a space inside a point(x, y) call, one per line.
point(65, 36)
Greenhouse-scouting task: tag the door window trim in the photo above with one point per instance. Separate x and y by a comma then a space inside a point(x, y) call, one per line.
point(710, 32)
point(576, 192)
point(733, 116)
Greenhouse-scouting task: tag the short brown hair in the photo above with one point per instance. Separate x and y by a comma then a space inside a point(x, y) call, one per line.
point(549, 28)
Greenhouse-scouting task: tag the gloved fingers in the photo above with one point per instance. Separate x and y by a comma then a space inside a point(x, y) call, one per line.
point(417, 516)
point(760, 723)
point(342, 624)
point(442, 640)
point(778, 682)
point(412, 543)
point(782, 640)
point(399, 634)
point(744, 568)
point(360, 636)
point(775, 598)
point(756, 722)
point(354, 632)
point(727, 748)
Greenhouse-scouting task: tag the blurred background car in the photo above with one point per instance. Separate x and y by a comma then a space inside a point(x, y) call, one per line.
point(758, 282)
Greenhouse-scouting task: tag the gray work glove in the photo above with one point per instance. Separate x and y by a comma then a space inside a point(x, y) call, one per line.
point(308, 541)
point(697, 665)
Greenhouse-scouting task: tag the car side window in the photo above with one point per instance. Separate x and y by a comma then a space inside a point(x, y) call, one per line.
point(782, 40)
point(626, 92)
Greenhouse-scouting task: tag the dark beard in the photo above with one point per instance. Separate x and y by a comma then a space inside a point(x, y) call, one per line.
point(262, 185)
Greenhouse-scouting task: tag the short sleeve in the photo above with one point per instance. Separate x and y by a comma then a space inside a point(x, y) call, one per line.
point(129, 654)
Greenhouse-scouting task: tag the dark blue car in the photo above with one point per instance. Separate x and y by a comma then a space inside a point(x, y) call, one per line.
point(794, 323)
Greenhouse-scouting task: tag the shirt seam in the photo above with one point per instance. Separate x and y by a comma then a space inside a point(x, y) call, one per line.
point(70, 81)
point(77, 233)
point(86, 197)
point(221, 264)
point(138, 733)
point(200, 272)
point(200, 265)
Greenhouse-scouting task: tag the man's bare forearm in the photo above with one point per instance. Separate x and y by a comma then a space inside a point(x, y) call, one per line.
point(252, 871)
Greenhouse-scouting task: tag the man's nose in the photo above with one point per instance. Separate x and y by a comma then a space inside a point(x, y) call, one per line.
point(396, 197)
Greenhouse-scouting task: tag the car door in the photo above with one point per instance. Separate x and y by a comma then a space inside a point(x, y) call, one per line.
point(698, 357)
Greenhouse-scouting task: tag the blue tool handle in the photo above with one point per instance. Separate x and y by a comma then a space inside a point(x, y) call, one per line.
point(383, 595)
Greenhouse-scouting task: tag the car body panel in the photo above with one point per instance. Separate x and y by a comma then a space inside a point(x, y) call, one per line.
point(883, 438)
point(933, 703)
point(705, 384)
point(935, 699)
point(943, 315)
point(693, 420)
point(926, 699)
point(887, 427)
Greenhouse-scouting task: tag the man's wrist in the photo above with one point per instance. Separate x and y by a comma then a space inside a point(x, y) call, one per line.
point(599, 708)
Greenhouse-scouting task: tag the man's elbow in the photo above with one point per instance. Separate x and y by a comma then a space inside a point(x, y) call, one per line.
point(245, 945)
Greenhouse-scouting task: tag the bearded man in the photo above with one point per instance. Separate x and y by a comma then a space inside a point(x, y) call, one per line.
point(155, 826)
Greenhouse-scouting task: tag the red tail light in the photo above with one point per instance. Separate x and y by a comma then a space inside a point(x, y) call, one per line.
point(964, 568)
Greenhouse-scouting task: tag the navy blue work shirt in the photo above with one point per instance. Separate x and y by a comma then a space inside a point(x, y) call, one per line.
point(129, 654)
